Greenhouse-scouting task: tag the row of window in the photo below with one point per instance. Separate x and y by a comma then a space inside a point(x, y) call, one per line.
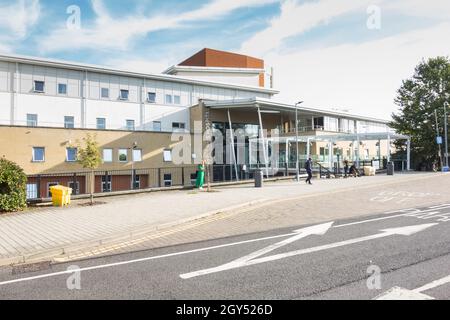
point(39, 87)
point(130, 125)
point(72, 153)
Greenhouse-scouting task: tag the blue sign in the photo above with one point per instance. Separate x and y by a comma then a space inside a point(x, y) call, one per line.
point(439, 140)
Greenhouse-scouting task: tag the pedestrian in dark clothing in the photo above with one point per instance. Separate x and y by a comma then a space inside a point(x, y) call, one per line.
point(308, 167)
point(346, 167)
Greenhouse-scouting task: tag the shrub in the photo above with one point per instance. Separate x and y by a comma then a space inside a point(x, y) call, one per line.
point(13, 186)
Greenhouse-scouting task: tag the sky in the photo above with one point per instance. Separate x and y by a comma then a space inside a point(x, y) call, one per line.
point(343, 55)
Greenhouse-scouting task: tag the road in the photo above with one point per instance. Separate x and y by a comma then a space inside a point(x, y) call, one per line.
point(357, 258)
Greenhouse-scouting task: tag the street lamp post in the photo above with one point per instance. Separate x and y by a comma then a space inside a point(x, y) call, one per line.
point(297, 167)
point(446, 133)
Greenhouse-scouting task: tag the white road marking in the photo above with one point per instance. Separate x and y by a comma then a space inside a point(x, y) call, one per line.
point(398, 293)
point(405, 231)
point(49, 275)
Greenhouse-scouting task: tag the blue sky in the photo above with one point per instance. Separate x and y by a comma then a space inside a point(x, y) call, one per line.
point(323, 51)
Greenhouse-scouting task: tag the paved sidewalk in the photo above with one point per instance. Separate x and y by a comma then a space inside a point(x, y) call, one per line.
point(33, 232)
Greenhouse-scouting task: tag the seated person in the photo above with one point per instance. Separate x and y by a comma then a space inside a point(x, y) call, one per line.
point(354, 171)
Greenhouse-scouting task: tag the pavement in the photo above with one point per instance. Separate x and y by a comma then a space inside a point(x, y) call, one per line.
point(168, 218)
point(398, 254)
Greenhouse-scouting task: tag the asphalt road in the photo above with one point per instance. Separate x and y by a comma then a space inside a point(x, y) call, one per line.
point(330, 261)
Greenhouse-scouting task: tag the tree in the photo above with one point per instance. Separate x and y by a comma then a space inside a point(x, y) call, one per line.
point(418, 98)
point(89, 157)
point(13, 184)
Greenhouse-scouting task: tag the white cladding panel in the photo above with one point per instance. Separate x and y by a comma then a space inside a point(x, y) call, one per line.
point(115, 113)
point(50, 110)
point(166, 115)
point(5, 108)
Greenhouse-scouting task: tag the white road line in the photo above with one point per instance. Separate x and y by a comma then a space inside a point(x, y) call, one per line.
point(370, 220)
point(433, 284)
point(177, 253)
point(48, 275)
point(405, 231)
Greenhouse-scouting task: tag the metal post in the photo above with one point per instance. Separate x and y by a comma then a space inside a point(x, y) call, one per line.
point(437, 135)
point(408, 155)
point(357, 151)
point(297, 167)
point(389, 148)
point(446, 134)
point(263, 141)
point(232, 147)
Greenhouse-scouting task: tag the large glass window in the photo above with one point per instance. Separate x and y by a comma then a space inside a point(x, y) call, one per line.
point(157, 126)
point(32, 120)
point(69, 122)
point(62, 88)
point(107, 155)
point(124, 94)
point(130, 125)
point(123, 155)
point(101, 123)
point(71, 154)
point(38, 154)
point(39, 86)
point(105, 93)
point(137, 155)
point(151, 97)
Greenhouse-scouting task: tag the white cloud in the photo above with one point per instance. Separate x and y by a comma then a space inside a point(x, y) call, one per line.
point(297, 18)
point(109, 33)
point(16, 20)
point(361, 77)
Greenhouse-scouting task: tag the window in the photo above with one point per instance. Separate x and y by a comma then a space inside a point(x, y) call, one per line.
point(49, 185)
point(168, 180)
point(106, 183)
point(69, 122)
point(38, 154)
point(62, 88)
point(123, 155)
point(178, 126)
point(71, 154)
point(124, 94)
point(101, 123)
point(157, 125)
point(167, 155)
point(32, 120)
point(105, 93)
point(107, 155)
point(137, 155)
point(32, 191)
point(177, 99)
point(168, 99)
point(39, 86)
point(130, 125)
point(151, 97)
point(75, 187)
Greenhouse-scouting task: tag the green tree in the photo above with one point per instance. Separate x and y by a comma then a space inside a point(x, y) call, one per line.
point(13, 182)
point(89, 157)
point(418, 98)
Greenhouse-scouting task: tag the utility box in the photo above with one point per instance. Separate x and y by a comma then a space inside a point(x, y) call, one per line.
point(259, 178)
point(390, 168)
point(60, 195)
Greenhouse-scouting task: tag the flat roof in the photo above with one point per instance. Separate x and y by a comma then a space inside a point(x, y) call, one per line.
point(175, 69)
point(270, 105)
point(107, 70)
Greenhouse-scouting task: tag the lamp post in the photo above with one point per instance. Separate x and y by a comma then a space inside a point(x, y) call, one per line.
point(446, 132)
point(297, 167)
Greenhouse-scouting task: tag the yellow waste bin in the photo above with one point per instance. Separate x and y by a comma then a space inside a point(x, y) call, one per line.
point(60, 195)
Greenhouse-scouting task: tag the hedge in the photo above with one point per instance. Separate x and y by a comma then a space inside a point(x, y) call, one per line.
point(13, 187)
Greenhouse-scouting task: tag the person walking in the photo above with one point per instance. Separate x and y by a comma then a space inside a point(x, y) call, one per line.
point(200, 176)
point(346, 167)
point(308, 167)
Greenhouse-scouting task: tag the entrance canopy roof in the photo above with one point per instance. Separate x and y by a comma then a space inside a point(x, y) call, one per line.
point(270, 106)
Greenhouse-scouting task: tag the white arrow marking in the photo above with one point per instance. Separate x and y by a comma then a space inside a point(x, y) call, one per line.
point(398, 293)
point(244, 262)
